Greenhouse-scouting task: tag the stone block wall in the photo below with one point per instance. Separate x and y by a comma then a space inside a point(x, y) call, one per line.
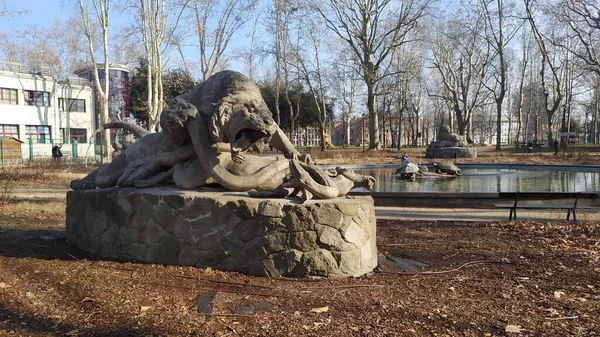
point(451, 152)
point(226, 231)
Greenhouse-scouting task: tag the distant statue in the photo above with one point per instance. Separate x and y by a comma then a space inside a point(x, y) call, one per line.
point(449, 139)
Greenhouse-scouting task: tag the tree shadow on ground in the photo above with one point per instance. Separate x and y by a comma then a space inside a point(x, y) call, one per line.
point(47, 244)
point(19, 323)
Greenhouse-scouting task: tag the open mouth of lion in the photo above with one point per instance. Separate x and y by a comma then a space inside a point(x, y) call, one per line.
point(247, 137)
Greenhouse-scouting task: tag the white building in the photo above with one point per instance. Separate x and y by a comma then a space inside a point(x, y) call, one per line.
point(36, 108)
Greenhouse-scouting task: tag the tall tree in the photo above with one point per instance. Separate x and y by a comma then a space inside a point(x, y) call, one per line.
point(175, 82)
point(461, 58)
point(498, 34)
point(553, 94)
point(158, 20)
point(102, 10)
point(583, 18)
point(228, 17)
point(373, 30)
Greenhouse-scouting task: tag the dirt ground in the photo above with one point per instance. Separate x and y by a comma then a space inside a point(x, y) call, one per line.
point(481, 279)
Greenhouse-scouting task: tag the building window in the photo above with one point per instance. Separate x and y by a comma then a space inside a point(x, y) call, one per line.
point(73, 104)
point(80, 135)
point(38, 133)
point(9, 130)
point(37, 98)
point(8, 96)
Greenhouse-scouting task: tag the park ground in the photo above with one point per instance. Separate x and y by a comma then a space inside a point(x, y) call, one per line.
point(481, 278)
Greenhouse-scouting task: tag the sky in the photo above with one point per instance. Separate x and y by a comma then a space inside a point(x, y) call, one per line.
point(44, 12)
point(40, 12)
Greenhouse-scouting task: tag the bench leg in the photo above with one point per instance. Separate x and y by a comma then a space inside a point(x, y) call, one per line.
point(513, 214)
point(572, 210)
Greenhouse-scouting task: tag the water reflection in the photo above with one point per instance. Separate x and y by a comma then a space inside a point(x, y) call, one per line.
point(489, 181)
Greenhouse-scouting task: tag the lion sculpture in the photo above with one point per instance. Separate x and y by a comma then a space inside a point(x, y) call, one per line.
point(205, 135)
point(449, 139)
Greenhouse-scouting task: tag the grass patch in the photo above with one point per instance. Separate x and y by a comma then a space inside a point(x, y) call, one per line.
point(40, 174)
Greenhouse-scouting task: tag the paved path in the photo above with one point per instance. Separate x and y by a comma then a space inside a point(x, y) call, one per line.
point(479, 214)
point(406, 213)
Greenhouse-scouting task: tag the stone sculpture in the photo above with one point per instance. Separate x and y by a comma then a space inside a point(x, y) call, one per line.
point(408, 170)
point(445, 167)
point(449, 145)
point(449, 139)
point(204, 139)
point(205, 135)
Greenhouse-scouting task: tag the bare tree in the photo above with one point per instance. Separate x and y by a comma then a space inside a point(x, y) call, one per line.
point(345, 86)
point(552, 91)
point(8, 12)
point(583, 18)
point(158, 20)
point(498, 38)
point(230, 16)
point(102, 10)
point(461, 59)
point(373, 30)
point(313, 77)
point(522, 72)
point(59, 47)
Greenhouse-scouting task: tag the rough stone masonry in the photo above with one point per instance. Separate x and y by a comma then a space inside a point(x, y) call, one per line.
point(226, 230)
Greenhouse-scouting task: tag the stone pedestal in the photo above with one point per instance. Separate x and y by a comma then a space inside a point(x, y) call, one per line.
point(226, 231)
point(450, 152)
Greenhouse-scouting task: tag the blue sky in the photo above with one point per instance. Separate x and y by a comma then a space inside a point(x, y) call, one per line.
point(40, 12)
point(43, 13)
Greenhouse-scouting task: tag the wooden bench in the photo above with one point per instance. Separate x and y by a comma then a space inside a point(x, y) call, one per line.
point(571, 208)
point(529, 147)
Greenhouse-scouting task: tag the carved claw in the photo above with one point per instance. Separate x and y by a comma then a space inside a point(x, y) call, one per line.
point(370, 182)
point(237, 157)
point(305, 158)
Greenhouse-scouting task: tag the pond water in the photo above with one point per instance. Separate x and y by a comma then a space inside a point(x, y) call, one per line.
point(488, 180)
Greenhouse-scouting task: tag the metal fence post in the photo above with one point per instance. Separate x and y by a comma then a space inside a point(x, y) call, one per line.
point(30, 149)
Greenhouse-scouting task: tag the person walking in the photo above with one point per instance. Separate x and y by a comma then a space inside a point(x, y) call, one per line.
point(556, 146)
point(56, 153)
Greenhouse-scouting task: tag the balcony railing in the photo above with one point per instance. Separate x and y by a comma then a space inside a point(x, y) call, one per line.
point(24, 69)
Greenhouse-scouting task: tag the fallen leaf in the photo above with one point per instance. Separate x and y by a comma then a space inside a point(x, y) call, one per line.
point(144, 308)
point(4, 285)
point(558, 294)
point(73, 333)
point(320, 309)
point(87, 299)
point(513, 328)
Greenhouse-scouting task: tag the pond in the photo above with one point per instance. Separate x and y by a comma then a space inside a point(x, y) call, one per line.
point(489, 180)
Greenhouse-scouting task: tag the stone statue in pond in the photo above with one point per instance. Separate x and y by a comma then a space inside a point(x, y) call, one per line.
point(205, 135)
point(449, 145)
point(449, 139)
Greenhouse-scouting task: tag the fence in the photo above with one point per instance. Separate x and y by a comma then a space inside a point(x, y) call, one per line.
point(36, 150)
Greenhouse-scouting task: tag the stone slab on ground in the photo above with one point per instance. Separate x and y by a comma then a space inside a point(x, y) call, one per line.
point(226, 231)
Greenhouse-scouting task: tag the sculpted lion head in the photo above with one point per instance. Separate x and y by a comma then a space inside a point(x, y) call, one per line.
point(243, 126)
